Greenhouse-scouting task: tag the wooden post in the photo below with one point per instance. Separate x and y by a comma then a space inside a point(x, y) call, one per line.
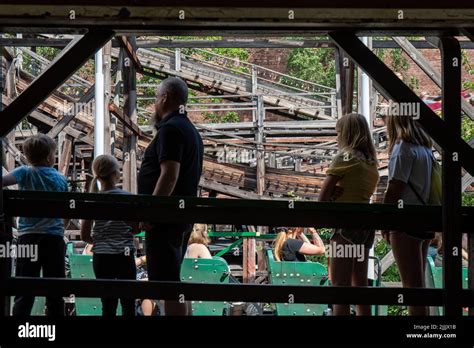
point(298, 164)
point(65, 155)
point(345, 79)
point(177, 59)
point(339, 86)
point(249, 244)
point(249, 259)
point(130, 111)
point(254, 80)
point(107, 66)
point(117, 93)
point(11, 93)
point(260, 150)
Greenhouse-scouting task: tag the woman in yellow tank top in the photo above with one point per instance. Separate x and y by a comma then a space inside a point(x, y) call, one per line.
point(351, 177)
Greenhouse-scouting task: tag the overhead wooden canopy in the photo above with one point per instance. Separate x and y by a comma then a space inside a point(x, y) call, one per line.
point(244, 17)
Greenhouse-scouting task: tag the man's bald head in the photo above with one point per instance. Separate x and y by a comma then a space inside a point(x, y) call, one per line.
point(175, 88)
point(171, 95)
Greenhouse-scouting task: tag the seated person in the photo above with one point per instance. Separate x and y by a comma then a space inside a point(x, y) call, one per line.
point(198, 242)
point(291, 244)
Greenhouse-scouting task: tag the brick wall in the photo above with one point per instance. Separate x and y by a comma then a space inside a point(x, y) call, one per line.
point(271, 58)
point(434, 57)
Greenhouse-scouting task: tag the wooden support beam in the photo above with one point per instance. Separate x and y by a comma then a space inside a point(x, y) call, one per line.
point(59, 127)
point(221, 43)
point(264, 43)
point(249, 17)
point(228, 190)
point(115, 110)
point(393, 88)
point(49, 121)
point(425, 65)
point(68, 61)
point(249, 258)
point(131, 52)
point(344, 82)
point(65, 156)
point(11, 93)
point(130, 112)
point(106, 68)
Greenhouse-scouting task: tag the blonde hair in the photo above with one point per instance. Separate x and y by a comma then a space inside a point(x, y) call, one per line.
point(38, 148)
point(104, 167)
point(199, 235)
point(280, 239)
point(407, 129)
point(354, 136)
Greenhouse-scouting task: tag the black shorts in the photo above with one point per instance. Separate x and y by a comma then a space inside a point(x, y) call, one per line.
point(426, 235)
point(356, 236)
point(165, 249)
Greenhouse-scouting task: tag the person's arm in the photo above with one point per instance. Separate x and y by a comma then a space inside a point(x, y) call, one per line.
point(315, 248)
point(86, 228)
point(168, 178)
point(8, 180)
point(329, 186)
point(311, 249)
point(301, 235)
point(317, 239)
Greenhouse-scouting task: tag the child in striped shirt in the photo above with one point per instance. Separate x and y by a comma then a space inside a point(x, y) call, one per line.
point(113, 248)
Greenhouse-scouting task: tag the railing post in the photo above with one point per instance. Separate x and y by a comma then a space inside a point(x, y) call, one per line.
point(254, 79)
point(334, 105)
point(451, 210)
point(177, 59)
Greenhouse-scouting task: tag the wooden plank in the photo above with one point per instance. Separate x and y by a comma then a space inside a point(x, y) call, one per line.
point(115, 110)
point(65, 156)
point(107, 70)
point(228, 190)
point(249, 259)
point(11, 93)
point(131, 51)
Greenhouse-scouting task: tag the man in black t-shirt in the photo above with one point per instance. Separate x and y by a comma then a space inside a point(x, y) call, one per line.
point(171, 166)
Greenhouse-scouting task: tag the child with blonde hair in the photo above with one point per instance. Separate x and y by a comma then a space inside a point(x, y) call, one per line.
point(45, 234)
point(113, 248)
point(198, 242)
point(352, 177)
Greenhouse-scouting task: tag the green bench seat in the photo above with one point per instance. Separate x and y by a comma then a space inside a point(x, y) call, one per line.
point(297, 273)
point(209, 271)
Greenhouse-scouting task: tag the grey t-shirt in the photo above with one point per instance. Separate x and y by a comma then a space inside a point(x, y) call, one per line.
point(411, 163)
